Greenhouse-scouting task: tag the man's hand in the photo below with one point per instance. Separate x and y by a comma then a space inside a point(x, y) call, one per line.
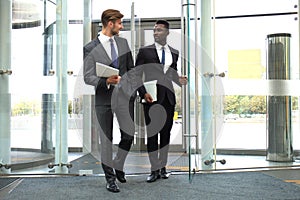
point(148, 98)
point(183, 80)
point(115, 79)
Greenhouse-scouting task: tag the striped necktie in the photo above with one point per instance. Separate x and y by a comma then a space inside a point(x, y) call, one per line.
point(114, 56)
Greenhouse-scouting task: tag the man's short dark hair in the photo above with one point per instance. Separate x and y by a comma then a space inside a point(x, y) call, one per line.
point(110, 15)
point(163, 22)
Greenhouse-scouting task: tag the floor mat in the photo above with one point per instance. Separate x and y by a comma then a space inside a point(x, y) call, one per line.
point(6, 181)
point(234, 185)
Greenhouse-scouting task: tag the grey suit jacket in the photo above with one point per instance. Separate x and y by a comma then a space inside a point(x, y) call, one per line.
point(94, 52)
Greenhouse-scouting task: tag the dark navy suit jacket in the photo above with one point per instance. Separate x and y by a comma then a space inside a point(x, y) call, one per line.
point(148, 63)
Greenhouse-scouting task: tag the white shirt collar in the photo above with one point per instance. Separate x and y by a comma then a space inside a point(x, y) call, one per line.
point(159, 46)
point(104, 38)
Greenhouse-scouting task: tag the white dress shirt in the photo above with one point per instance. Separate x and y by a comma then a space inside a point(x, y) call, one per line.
point(168, 55)
point(106, 43)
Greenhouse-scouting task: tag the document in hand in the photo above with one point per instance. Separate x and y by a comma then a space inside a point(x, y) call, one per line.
point(103, 70)
point(151, 89)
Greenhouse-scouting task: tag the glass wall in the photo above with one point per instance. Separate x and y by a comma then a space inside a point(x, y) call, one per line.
point(42, 65)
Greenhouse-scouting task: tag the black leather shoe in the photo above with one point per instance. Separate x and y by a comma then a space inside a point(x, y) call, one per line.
point(112, 186)
point(164, 174)
point(120, 176)
point(153, 176)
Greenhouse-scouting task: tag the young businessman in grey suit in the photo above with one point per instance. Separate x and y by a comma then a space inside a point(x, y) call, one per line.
point(111, 94)
point(159, 62)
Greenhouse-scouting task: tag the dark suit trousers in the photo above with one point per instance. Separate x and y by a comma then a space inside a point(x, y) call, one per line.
point(105, 119)
point(158, 153)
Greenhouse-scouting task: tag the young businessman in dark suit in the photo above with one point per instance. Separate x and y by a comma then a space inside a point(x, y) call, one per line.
point(159, 62)
point(111, 93)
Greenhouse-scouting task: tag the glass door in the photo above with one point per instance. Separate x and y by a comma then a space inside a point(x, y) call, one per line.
point(242, 52)
point(46, 121)
point(32, 90)
point(233, 85)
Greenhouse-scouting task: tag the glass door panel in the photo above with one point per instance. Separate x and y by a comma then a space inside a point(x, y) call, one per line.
point(36, 102)
point(83, 138)
point(30, 146)
point(241, 52)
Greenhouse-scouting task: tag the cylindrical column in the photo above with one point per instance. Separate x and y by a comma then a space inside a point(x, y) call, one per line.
point(207, 134)
point(87, 99)
point(5, 98)
point(279, 107)
point(61, 148)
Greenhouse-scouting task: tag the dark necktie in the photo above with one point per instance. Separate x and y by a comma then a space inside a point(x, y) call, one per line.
point(114, 56)
point(163, 56)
